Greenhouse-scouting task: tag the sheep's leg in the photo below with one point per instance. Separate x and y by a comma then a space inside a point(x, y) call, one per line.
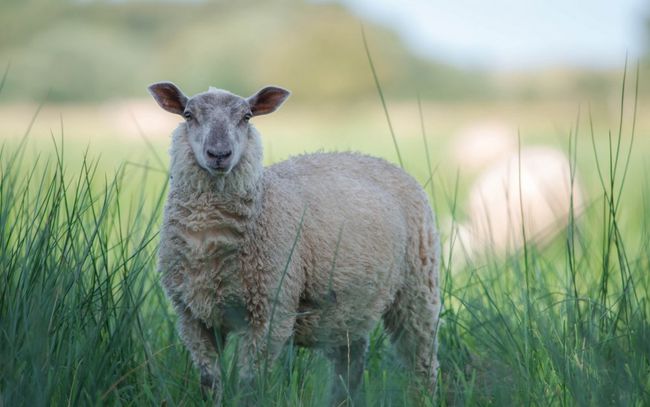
point(349, 364)
point(412, 321)
point(259, 348)
point(202, 342)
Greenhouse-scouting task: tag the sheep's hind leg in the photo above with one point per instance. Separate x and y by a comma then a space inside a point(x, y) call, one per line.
point(349, 364)
point(412, 321)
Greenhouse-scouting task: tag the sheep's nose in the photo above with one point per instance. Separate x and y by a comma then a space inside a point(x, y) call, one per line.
point(216, 154)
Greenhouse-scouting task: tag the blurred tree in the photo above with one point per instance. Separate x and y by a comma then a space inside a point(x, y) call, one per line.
point(93, 50)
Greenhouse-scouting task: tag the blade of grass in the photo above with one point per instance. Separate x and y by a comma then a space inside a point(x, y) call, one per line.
point(381, 96)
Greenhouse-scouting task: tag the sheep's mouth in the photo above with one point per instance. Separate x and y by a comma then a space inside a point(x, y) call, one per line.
point(218, 166)
point(218, 169)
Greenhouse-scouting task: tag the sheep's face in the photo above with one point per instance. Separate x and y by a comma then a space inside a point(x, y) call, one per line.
point(217, 128)
point(217, 121)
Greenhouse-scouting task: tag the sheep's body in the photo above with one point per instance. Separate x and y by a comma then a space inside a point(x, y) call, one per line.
point(319, 248)
point(531, 189)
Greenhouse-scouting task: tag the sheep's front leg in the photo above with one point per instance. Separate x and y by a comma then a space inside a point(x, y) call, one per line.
point(202, 344)
point(349, 364)
point(259, 348)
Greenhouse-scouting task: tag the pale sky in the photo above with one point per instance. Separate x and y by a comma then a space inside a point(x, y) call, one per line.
point(514, 34)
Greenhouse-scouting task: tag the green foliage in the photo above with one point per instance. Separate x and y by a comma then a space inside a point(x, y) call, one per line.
point(97, 50)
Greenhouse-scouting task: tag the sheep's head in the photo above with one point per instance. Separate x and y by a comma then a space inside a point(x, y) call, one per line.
point(217, 121)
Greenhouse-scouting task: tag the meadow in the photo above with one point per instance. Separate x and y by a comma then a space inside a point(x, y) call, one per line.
point(84, 321)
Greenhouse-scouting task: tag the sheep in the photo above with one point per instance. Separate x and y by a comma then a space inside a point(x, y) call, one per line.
point(535, 185)
point(482, 143)
point(315, 249)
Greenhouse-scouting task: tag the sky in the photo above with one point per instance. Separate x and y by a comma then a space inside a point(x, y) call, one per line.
point(514, 34)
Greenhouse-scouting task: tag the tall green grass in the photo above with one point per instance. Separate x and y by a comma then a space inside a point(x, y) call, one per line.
point(565, 323)
point(84, 321)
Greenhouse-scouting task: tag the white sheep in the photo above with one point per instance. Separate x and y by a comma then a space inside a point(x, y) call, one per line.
point(482, 143)
point(317, 248)
point(534, 185)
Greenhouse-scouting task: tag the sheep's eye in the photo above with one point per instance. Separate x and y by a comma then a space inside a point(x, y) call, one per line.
point(188, 115)
point(247, 117)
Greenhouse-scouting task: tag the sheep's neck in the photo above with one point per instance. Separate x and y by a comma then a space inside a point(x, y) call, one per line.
point(215, 199)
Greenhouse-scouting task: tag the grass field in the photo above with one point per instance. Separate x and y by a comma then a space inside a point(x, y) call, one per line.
point(84, 321)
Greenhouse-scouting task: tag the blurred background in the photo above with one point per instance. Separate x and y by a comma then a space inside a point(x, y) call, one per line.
point(488, 75)
point(92, 51)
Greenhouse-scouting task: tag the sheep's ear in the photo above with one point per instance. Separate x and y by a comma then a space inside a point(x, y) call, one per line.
point(169, 97)
point(267, 100)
